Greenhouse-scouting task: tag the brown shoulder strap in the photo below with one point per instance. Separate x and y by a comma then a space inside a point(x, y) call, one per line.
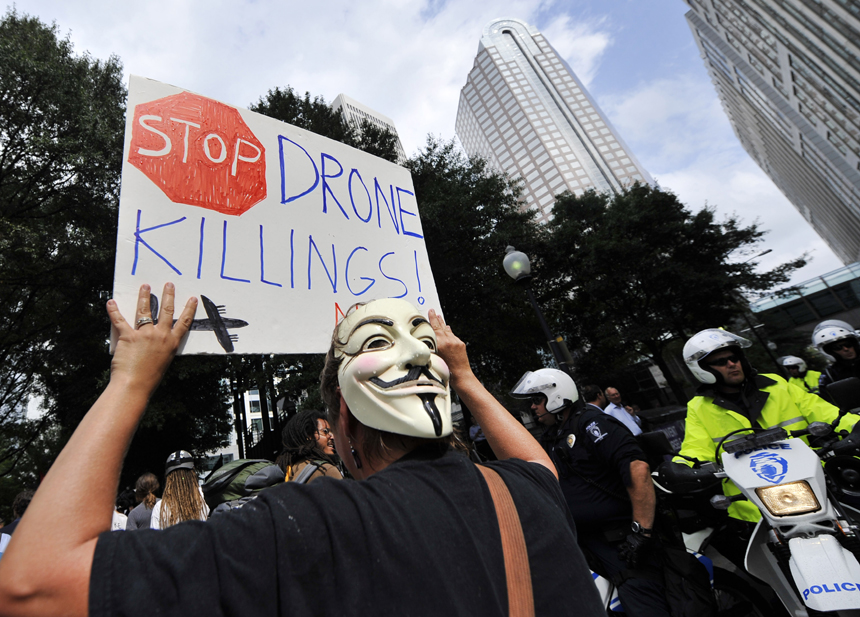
point(517, 571)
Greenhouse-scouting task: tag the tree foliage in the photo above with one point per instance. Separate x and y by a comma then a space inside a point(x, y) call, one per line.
point(62, 120)
point(376, 140)
point(298, 374)
point(469, 214)
point(188, 412)
point(638, 269)
point(61, 128)
point(315, 115)
point(780, 332)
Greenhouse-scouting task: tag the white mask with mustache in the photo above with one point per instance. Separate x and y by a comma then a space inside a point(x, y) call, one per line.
point(391, 377)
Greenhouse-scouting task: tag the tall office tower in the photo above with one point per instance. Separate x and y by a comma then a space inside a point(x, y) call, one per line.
point(524, 110)
point(788, 75)
point(355, 112)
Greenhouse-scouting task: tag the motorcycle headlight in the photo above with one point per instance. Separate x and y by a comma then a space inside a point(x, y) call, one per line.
point(791, 498)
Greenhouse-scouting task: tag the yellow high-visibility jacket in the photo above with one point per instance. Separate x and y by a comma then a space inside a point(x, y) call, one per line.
point(710, 417)
point(807, 382)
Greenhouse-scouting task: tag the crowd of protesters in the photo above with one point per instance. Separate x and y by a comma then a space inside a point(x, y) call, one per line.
point(414, 524)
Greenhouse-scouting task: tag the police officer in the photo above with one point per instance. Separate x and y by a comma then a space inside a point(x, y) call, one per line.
point(734, 396)
point(838, 342)
point(798, 375)
point(607, 485)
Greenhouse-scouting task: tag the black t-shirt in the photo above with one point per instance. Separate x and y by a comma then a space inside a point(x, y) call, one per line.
point(418, 538)
point(599, 448)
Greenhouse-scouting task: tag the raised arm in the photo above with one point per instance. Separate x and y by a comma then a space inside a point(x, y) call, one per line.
point(507, 437)
point(46, 568)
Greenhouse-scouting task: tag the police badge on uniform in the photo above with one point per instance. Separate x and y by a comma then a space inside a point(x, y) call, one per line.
point(594, 430)
point(571, 439)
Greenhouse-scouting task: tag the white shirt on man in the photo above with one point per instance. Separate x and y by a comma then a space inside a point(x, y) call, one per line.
point(620, 414)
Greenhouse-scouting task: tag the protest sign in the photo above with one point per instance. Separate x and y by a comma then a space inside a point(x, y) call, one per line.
point(278, 231)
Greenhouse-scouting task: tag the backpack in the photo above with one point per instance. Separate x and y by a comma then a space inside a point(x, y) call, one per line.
point(307, 471)
point(238, 479)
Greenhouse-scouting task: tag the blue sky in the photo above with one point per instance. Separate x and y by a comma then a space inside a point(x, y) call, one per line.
point(409, 59)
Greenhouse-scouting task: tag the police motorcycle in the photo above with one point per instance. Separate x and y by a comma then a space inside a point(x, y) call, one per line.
point(806, 546)
point(732, 595)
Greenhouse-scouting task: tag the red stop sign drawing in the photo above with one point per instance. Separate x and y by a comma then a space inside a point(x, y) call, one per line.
point(199, 152)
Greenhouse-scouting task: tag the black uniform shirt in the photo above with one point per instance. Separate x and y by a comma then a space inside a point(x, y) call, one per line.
point(592, 452)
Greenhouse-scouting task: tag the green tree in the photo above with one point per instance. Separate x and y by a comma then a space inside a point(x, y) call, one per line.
point(298, 374)
point(315, 115)
point(312, 114)
point(62, 120)
point(37, 442)
point(779, 331)
point(61, 128)
point(469, 214)
point(188, 412)
point(639, 270)
point(376, 140)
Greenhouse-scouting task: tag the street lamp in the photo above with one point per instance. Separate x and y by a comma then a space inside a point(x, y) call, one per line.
point(518, 267)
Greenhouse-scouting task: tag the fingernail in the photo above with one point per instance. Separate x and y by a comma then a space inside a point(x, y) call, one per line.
point(168, 285)
point(191, 300)
point(111, 302)
point(145, 287)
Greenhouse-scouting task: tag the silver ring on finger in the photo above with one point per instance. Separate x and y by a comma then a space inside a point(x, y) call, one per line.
point(143, 321)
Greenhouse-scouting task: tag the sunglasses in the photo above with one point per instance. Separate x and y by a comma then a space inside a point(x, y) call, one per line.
point(537, 399)
point(724, 361)
point(841, 346)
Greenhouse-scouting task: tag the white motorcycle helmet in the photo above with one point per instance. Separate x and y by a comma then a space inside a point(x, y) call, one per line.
point(556, 385)
point(789, 361)
point(831, 331)
point(704, 343)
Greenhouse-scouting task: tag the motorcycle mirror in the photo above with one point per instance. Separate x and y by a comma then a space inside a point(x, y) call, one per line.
point(721, 502)
point(819, 429)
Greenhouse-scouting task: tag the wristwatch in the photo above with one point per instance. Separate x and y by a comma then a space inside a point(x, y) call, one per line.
point(637, 528)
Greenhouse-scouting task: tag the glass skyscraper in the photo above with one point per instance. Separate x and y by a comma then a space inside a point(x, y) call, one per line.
point(788, 75)
point(525, 111)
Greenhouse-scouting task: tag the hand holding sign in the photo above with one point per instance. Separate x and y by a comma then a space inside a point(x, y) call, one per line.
point(285, 228)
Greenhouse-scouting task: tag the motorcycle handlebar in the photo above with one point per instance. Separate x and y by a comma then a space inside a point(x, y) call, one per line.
point(679, 478)
point(850, 444)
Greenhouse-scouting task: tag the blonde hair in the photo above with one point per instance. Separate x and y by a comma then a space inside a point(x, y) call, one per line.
point(182, 500)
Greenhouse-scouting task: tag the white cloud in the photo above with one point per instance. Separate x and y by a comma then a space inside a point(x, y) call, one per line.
point(680, 133)
point(406, 59)
point(409, 61)
point(739, 188)
point(581, 43)
point(671, 121)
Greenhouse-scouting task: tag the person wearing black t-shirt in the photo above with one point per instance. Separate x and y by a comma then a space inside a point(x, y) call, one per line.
point(417, 534)
point(607, 484)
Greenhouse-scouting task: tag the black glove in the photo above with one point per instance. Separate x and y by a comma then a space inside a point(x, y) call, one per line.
point(634, 550)
point(849, 444)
